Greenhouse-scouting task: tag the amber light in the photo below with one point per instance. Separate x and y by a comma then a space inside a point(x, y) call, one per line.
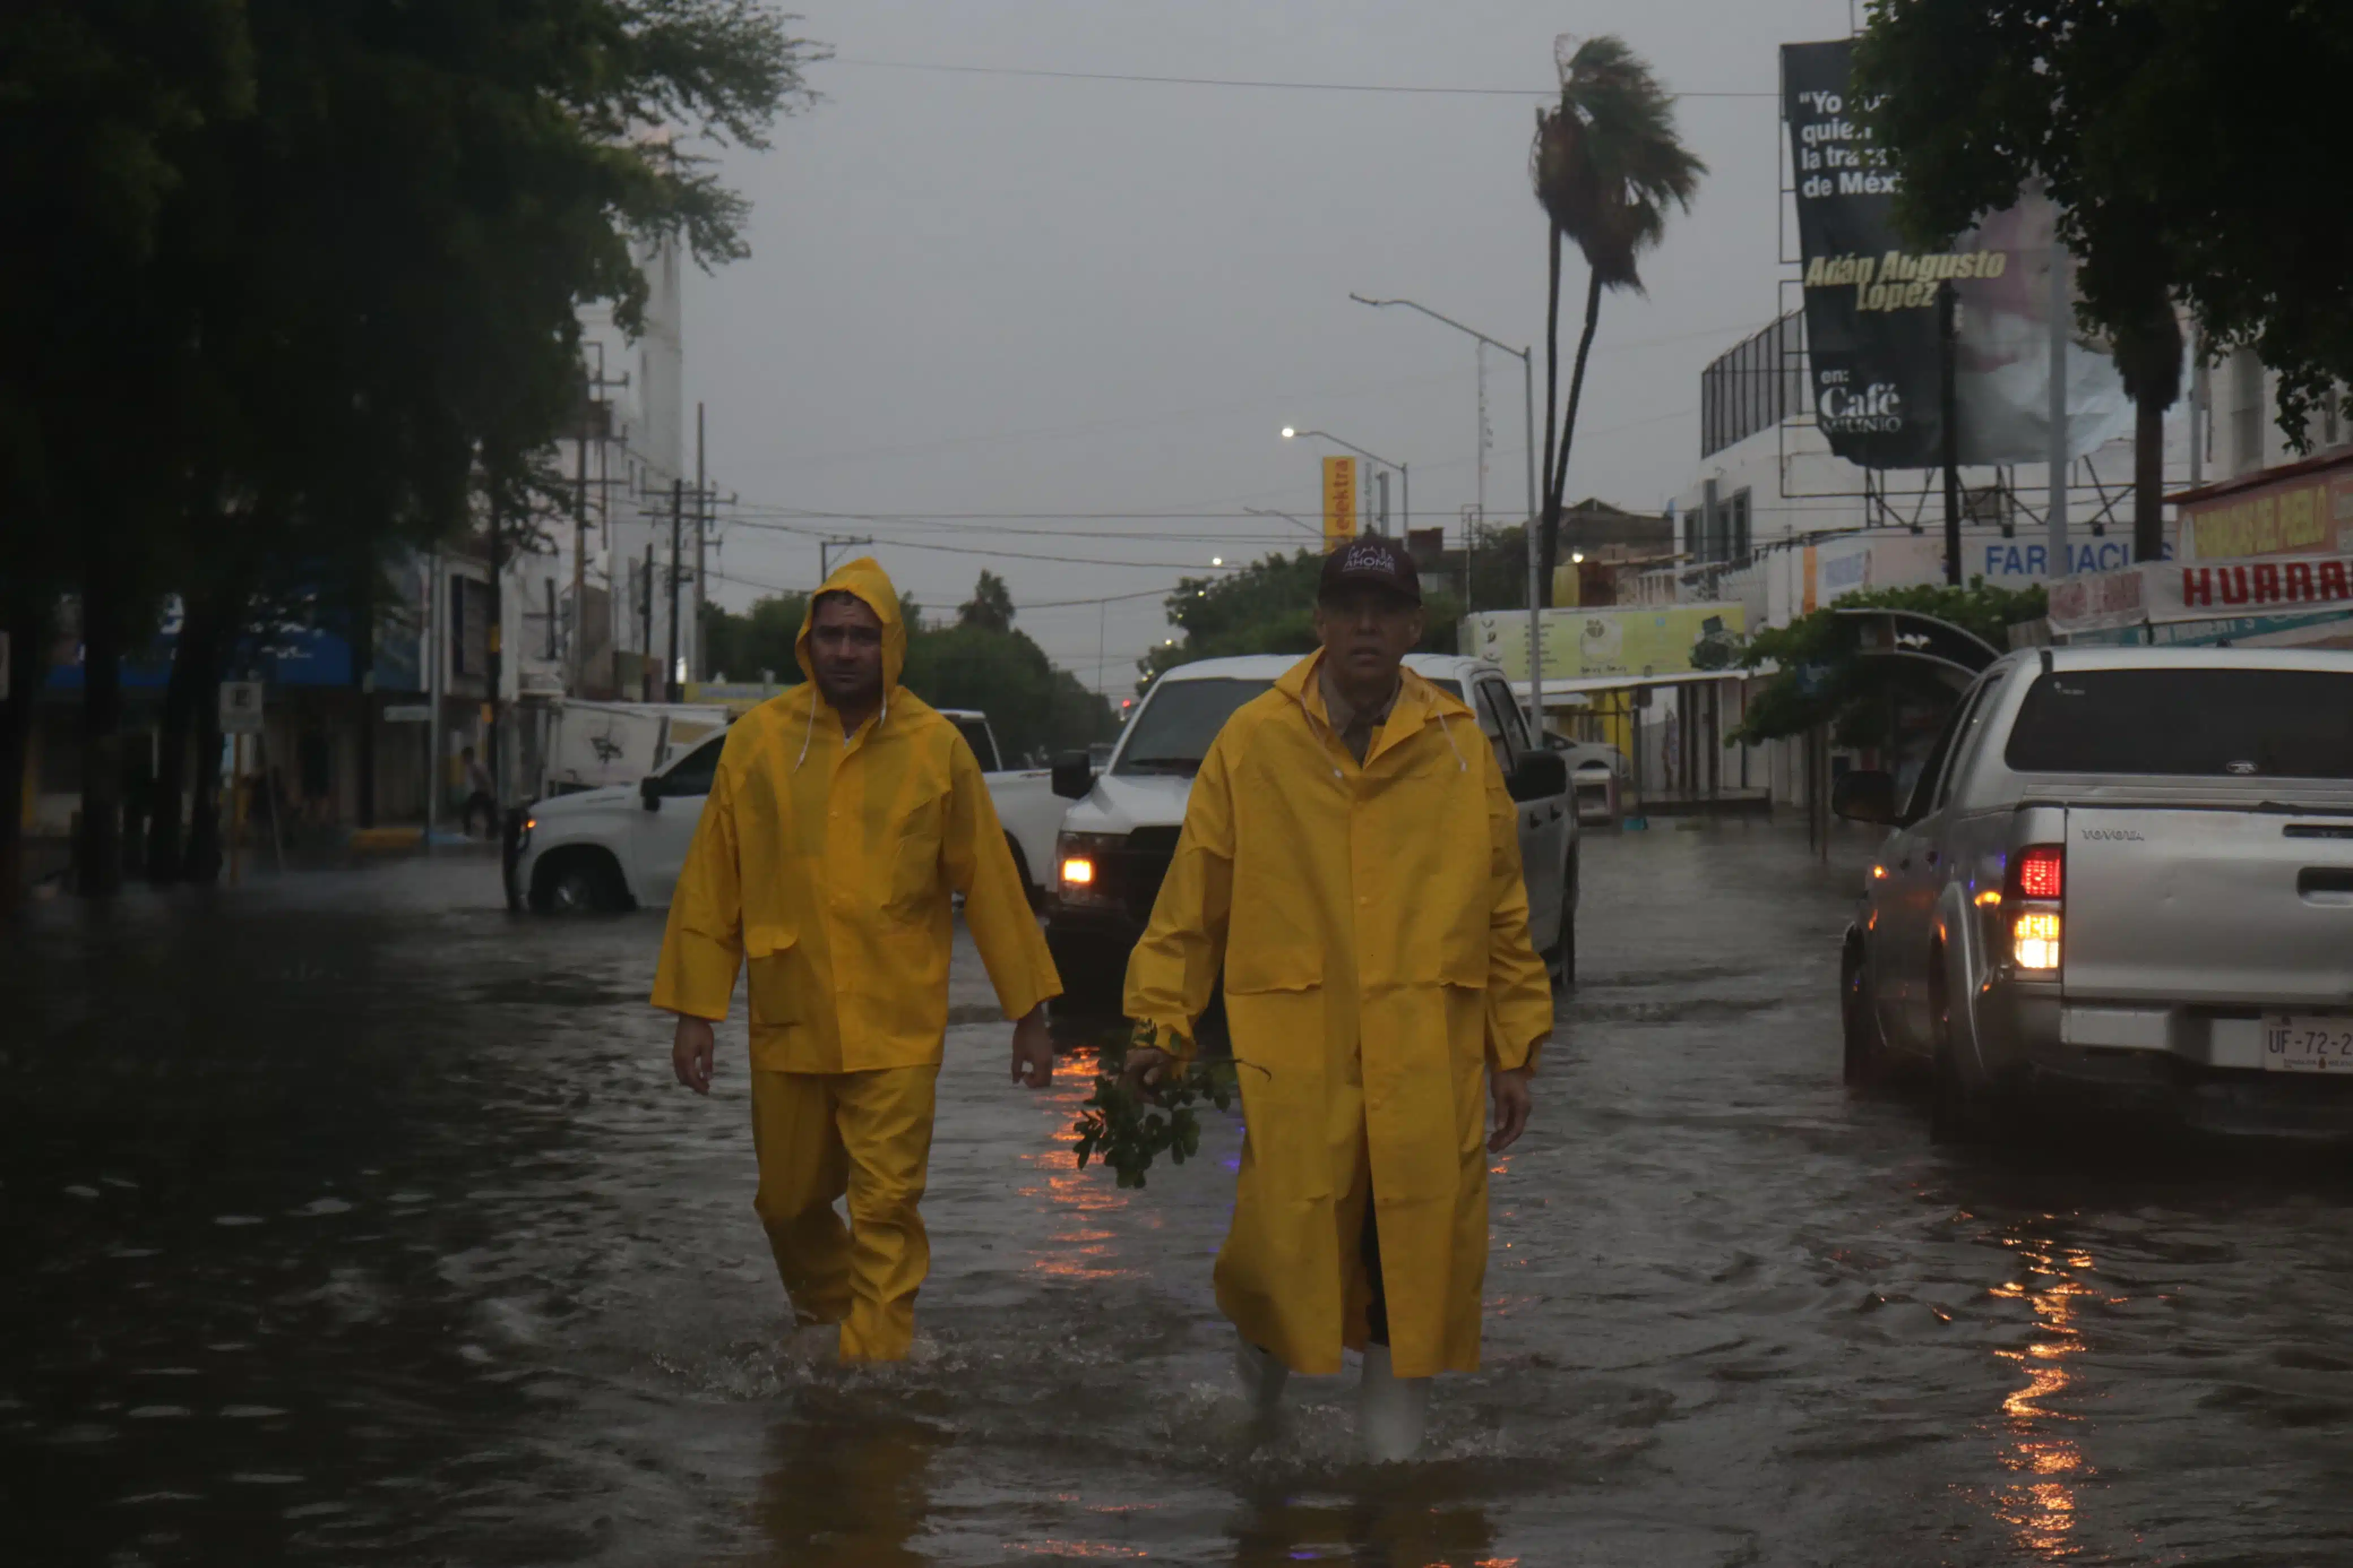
point(2042, 873)
point(2037, 940)
point(1079, 873)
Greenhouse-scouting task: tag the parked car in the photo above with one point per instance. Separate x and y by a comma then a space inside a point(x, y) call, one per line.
point(622, 845)
point(1121, 832)
point(1026, 806)
point(2127, 872)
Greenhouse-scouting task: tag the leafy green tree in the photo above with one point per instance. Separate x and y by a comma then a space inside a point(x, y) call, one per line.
point(318, 300)
point(741, 648)
point(2178, 138)
point(990, 606)
point(1821, 678)
point(1270, 607)
point(1607, 163)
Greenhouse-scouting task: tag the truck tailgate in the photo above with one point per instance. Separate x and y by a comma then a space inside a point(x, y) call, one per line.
point(2216, 907)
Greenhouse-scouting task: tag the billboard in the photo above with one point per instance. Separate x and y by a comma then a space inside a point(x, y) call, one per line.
point(2304, 512)
point(1633, 641)
point(1873, 332)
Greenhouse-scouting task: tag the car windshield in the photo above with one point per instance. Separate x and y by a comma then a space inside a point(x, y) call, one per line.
point(2221, 723)
point(1173, 732)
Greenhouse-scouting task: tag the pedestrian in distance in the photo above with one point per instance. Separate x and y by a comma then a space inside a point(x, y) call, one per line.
point(845, 814)
point(1350, 859)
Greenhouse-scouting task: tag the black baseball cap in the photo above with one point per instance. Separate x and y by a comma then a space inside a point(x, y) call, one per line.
point(1374, 560)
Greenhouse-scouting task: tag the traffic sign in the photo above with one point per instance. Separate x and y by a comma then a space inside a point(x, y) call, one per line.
point(240, 707)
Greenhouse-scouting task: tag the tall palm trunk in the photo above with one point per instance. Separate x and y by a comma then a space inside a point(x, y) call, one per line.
point(2148, 480)
point(1548, 526)
point(1556, 484)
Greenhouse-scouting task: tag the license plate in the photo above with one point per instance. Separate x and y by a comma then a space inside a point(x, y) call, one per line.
point(2293, 1043)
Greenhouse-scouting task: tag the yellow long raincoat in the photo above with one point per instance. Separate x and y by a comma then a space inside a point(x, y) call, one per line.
point(1372, 927)
point(828, 862)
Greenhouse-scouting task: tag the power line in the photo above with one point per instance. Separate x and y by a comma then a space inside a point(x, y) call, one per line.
point(1400, 88)
point(1005, 554)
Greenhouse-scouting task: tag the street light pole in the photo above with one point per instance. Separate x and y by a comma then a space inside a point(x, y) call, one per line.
point(1528, 411)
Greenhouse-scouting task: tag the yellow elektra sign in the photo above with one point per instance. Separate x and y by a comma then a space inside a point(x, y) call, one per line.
point(1339, 501)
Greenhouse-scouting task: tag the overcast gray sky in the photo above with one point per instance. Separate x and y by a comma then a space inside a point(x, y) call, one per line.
point(1069, 298)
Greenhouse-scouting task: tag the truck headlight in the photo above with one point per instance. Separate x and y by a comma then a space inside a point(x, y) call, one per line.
point(1080, 866)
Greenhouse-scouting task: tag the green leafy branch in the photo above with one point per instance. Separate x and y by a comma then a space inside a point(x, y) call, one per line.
point(1128, 1128)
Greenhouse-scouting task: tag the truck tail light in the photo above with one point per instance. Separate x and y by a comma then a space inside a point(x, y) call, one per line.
point(2042, 873)
point(1078, 872)
point(2038, 882)
point(2036, 940)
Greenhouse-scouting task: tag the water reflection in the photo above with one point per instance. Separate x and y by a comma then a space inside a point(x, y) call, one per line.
point(1418, 1519)
point(2041, 1505)
point(846, 1487)
point(1081, 1205)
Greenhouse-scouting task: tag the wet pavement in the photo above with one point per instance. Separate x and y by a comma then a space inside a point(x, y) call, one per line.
point(352, 1219)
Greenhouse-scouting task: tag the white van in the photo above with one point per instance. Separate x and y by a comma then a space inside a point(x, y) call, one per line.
point(1122, 825)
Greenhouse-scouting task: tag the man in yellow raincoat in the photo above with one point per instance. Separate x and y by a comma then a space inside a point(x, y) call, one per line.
point(1350, 856)
point(845, 814)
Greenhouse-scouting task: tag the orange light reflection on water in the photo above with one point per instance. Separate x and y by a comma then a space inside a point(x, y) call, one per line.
point(1078, 1203)
point(2040, 1507)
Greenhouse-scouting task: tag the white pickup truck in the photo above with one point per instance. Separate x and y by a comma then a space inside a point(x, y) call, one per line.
point(2125, 873)
point(1120, 832)
point(623, 845)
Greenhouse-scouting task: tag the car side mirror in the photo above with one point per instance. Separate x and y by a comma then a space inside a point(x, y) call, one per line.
point(1074, 775)
point(649, 790)
point(1539, 775)
point(1866, 796)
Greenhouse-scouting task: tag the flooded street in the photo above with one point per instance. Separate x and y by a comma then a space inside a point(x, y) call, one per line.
point(354, 1220)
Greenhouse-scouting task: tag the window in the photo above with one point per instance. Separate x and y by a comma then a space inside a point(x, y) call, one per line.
point(1739, 529)
point(2207, 724)
point(1491, 724)
point(1515, 728)
point(1972, 709)
point(984, 744)
point(695, 771)
point(1180, 720)
point(1932, 766)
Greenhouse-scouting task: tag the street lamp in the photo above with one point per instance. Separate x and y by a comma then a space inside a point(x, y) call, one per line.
point(1404, 472)
point(1528, 405)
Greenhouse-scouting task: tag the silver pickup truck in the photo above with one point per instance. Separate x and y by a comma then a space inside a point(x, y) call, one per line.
point(2124, 870)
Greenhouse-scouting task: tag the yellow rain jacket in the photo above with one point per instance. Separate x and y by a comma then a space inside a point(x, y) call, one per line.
point(828, 865)
point(1374, 932)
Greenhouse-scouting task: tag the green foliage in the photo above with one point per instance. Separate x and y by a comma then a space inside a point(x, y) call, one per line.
point(981, 662)
point(1270, 607)
point(1822, 678)
point(1128, 1129)
point(2158, 202)
point(741, 646)
point(990, 608)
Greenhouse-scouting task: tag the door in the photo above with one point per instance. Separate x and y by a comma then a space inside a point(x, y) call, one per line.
point(661, 838)
point(1543, 824)
point(1916, 861)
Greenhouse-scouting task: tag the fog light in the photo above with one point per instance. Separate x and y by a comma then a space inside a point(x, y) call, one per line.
point(2037, 940)
point(1078, 873)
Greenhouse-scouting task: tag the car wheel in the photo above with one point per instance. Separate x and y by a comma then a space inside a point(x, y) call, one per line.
point(579, 884)
point(1864, 1061)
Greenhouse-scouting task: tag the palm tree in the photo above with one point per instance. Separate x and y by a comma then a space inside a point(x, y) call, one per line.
point(1606, 162)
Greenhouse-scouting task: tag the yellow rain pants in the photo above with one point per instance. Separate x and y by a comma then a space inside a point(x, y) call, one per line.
point(1372, 926)
point(827, 864)
point(866, 1135)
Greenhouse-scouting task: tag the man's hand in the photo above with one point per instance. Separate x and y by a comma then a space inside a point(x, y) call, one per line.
point(1145, 1065)
point(690, 1050)
point(1033, 1050)
point(1508, 1088)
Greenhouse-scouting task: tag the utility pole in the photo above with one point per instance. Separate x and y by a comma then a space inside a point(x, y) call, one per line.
point(677, 522)
point(825, 548)
point(702, 539)
point(2056, 562)
point(645, 612)
point(593, 427)
point(1948, 315)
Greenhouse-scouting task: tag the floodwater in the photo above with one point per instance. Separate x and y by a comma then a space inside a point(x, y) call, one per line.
point(353, 1220)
